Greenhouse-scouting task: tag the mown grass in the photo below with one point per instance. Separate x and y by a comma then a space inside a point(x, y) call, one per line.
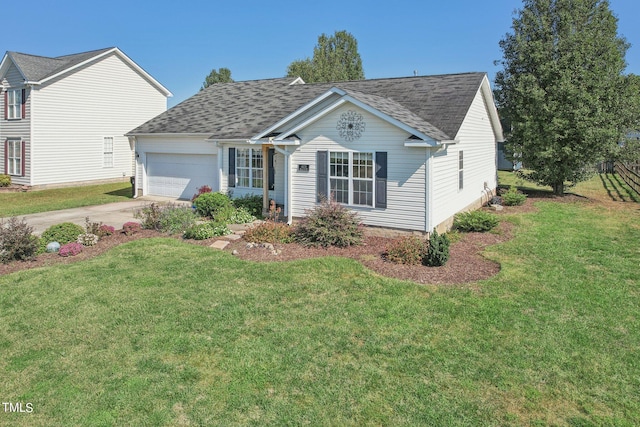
point(157, 332)
point(14, 204)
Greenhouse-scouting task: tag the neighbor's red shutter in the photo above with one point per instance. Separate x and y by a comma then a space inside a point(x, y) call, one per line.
point(6, 106)
point(23, 160)
point(6, 157)
point(24, 104)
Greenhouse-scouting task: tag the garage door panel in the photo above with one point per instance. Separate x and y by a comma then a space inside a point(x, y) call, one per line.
point(180, 175)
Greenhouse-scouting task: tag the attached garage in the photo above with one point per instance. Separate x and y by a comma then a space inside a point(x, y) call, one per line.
point(180, 175)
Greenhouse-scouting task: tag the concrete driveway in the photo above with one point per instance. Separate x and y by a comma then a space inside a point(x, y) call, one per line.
point(114, 214)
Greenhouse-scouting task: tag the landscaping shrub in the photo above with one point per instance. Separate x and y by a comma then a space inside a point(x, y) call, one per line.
point(269, 232)
point(513, 197)
point(176, 219)
point(105, 230)
point(91, 227)
point(209, 204)
point(437, 250)
point(130, 228)
point(87, 239)
point(5, 180)
point(70, 249)
point(149, 216)
point(17, 241)
point(207, 230)
point(329, 224)
point(475, 221)
point(240, 215)
point(251, 203)
point(407, 250)
point(63, 233)
point(202, 190)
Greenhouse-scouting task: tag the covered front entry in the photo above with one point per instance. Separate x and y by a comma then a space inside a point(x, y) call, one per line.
point(180, 175)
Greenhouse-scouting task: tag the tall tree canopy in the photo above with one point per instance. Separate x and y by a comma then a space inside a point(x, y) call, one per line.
point(562, 91)
point(335, 58)
point(223, 75)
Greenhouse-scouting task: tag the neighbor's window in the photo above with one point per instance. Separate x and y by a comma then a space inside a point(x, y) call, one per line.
point(460, 170)
point(107, 152)
point(14, 157)
point(355, 188)
point(14, 104)
point(249, 167)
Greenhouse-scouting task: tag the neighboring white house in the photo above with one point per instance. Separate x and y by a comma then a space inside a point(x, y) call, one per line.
point(65, 118)
point(405, 153)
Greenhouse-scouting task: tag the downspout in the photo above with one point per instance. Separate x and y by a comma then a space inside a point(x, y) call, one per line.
point(428, 187)
point(287, 183)
point(132, 142)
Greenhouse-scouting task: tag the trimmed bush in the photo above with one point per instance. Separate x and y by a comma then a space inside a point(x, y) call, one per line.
point(63, 233)
point(87, 239)
point(105, 230)
point(269, 232)
point(475, 221)
point(17, 241)
point(513, 197)
point(70, 249)
point(207, 230)
point(177, 219)
point(330, 224)
point(251, 203)
point(437, 250)
point(407, 250)
point(130, 228)
point(210, 204)
point(5, 180)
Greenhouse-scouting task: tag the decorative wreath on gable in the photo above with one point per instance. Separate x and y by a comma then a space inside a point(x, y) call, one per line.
point(350, 125)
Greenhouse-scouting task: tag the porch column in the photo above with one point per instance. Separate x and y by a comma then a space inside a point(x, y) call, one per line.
point(265, 178)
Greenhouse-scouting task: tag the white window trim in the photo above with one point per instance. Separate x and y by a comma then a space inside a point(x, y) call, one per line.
point(14, 107)
point(14, 163)
point(252, 170)
point(105, 152)
point(351, 178)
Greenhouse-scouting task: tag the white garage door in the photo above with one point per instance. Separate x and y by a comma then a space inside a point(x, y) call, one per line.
point(180, 175)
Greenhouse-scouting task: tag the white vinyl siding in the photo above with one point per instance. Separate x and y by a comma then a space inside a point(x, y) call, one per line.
point(76, 110)
point(405, 169)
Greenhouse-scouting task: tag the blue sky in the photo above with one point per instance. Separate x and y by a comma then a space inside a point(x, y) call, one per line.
point(179, 42)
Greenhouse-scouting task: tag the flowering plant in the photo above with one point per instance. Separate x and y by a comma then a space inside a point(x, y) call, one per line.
point(70, 249)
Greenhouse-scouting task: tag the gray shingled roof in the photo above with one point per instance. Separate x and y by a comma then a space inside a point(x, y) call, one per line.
point(434, 105)
point(36, 68)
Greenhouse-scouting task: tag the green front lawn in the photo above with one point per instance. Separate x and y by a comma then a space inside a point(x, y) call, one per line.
point(159, 332)
point(14, 204)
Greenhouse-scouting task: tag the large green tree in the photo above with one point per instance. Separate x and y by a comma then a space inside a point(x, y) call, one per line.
point(335, 58)
point(562, 91)
point(222, 75)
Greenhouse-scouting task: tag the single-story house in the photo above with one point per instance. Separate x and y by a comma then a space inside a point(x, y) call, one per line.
point(405, 153)
point(65, 118)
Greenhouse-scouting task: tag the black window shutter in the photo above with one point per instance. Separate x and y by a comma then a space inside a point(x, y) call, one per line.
point(272, 171)
point(232, 167)
point(381, 179)
point(322, 170)
point(23, 107)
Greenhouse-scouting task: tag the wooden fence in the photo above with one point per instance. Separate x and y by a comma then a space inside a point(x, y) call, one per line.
point(630, 174)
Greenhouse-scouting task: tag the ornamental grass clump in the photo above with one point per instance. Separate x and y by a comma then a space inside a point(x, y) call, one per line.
point(70, 249)
point(330, 224)
point(17, 241)
point(409, 250)
point(475, 221)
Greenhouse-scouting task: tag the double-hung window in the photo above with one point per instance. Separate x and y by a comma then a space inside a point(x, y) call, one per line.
point(14, 157)
point(351, 177)
point(249, 167)
point(107, 152)
point(14, 104)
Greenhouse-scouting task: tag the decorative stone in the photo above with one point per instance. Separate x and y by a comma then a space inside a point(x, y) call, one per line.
point(269, 246)
point(219, 244)
point(496, 207)
point(53, 247)
point(234, 237)
point(250, 245)
point(235, 252)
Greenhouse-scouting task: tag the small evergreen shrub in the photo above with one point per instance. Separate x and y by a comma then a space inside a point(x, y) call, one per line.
point(5, 180)
point(251, 203)
point(407, 250)
point(176, 219)
point(269, 232)
point(130, 228)
point(437, 250)
point(202, 190)
point(330, 224)
point(206, 230)
point(105, 230)
point(70, 249)
point(87, 239)
point(209, 204)
point(513, 197)
point(63, 233)
point(241, 215)
point(17, 241)
point(475, 221)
